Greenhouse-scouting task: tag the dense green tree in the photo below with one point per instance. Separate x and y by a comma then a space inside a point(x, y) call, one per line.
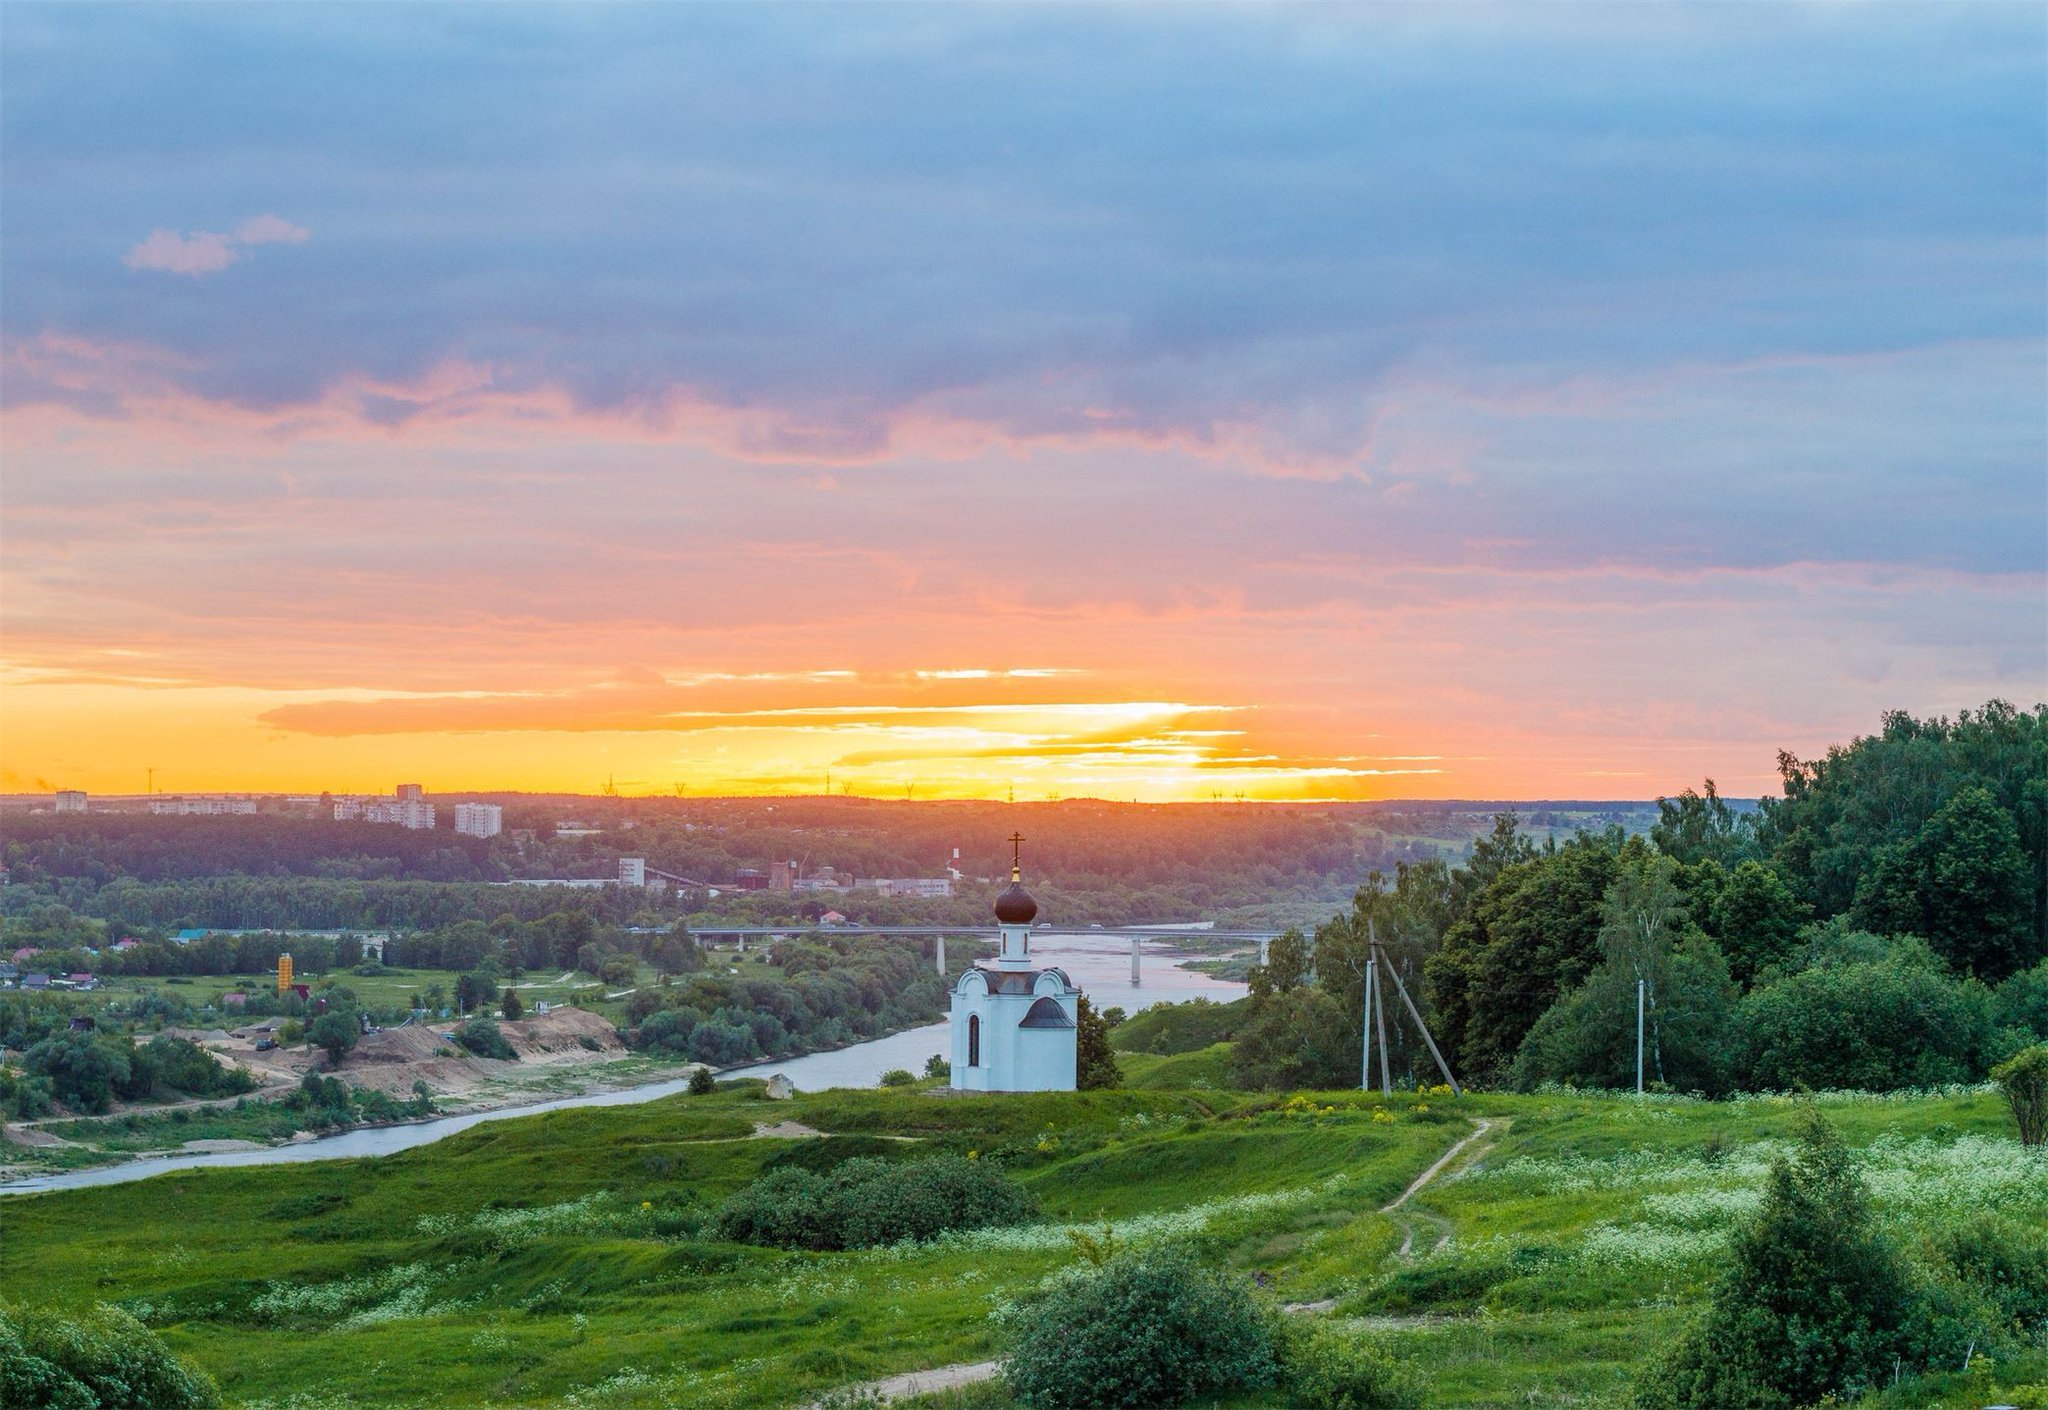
point(1531, 936)
point(1589, 1036)
point(1095, 1060)
point(1298, 1039)
point(1815, 1302)
point(1850, 1020)
point(510, 1008)
point(473, 991)
point(1752, 914)
point(1962, 882)
point(2021, 1003)
point(1978, 894)
point(85, 1072)
point(184, 1066)
point(337, 1031)
point(1701, 827)
point(1840, 812)
point(1503, 847)
point(482, 1037)
point(678, 954)
point(1286, 965)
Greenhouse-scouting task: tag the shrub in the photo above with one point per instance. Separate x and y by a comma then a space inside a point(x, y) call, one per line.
point(1328, 1371)
point(2004, 1262)
point(936, 1066)
point(1148, 1328)
point(702, 1083)
point(1095, 1060)
point(481, 1036)
point(1900, 1021)
point(510, 1006)
point(899, 1077)
point(2024, 1080)
point(103, 1360)
point(865, 1202)
point(2022, 1001)
point(31, 1097)
point(1815, 1301)
point(187, 1067)
point(84, 1071)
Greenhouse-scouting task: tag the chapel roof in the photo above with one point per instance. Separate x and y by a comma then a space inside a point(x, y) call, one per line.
point(1046, 1013)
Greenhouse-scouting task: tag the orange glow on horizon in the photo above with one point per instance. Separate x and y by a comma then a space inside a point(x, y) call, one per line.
point(105, 739)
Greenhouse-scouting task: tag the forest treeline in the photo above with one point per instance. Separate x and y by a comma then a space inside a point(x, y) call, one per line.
point(1883, 924)
point(128, 874)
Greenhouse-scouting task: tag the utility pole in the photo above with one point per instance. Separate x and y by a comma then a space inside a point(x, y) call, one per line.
point(1640, 988)
point(1365, 1036)
point(1379, 1011)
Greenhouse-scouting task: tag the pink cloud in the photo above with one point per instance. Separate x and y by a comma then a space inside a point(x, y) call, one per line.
point(201, 252)
point(271, 230)
point(208, 251)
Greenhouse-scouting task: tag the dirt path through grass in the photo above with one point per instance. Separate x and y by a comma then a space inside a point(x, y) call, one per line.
point(1412, 1219)
point(973, 1372)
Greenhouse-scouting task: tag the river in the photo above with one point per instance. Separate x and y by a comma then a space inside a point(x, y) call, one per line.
point(1100, 965)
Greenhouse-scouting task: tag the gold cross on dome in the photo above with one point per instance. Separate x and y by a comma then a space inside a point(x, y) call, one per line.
point(1016, 841)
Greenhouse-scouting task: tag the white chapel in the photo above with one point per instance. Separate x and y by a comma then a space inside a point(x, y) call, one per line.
point(1015, 1026)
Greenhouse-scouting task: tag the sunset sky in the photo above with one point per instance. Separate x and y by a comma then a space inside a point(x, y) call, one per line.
point(1437, 401)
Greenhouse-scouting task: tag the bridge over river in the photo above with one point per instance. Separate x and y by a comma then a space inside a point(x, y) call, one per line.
point(939, 934)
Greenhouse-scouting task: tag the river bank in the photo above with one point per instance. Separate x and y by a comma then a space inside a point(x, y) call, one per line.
point(1101, 966)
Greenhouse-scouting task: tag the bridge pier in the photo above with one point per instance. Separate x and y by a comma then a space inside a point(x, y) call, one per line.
point(1264, 947)
point(1134, 961)
point(939, 953)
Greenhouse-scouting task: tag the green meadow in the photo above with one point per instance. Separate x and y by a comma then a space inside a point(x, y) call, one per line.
point(561, 1260)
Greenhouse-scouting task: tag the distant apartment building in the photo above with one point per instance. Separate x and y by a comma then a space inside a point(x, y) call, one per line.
point(632, 871)
point(918, 887)
point(70, 800)
point(413, 814)
point(479, 819)
point(408, 793)
point(201, 807)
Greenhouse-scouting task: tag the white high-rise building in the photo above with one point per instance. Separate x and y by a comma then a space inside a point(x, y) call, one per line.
point(201, 807)
point(479, 819)
point(632, 871)
point(70, 800)
point(384, 810)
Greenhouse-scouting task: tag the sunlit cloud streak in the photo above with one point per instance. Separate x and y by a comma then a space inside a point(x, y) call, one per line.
point(1562, 398)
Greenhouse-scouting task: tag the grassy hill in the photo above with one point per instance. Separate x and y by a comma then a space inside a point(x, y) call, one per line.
point(560, 1260)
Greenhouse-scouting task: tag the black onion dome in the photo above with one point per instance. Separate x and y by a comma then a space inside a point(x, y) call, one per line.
point(1015, 906)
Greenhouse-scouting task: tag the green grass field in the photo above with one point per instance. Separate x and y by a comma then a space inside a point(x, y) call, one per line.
point(400, 988)
point(551, 1261)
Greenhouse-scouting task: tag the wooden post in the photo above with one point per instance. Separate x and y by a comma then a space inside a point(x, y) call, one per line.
point(1365, 1034)
point(1444, 1067)
point(1380, 1013)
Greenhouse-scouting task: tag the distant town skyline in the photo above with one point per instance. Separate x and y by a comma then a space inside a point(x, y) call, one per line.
point(1477, 401)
